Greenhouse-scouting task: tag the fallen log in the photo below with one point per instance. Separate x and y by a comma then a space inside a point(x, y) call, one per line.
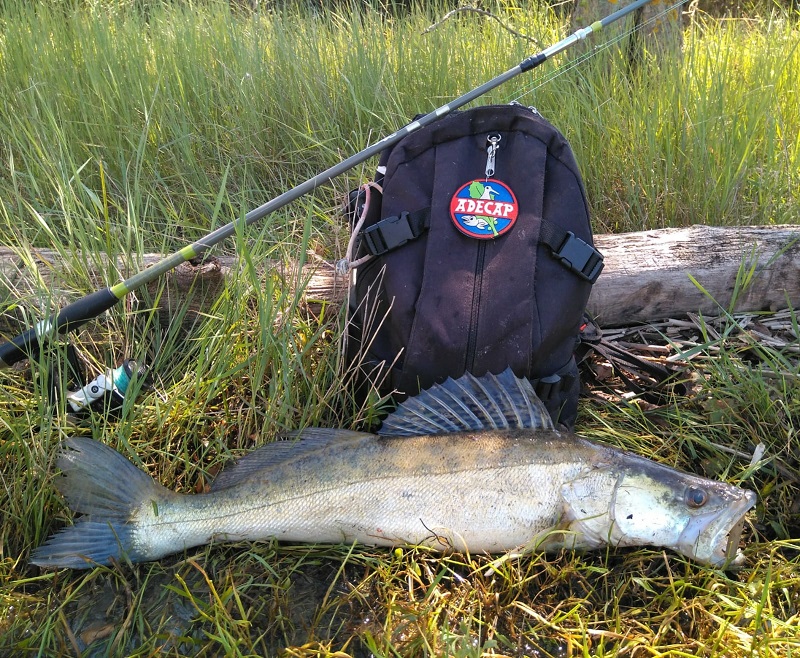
point(648, 276)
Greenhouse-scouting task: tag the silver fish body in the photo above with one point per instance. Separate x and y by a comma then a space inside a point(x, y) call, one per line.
point(471, 465)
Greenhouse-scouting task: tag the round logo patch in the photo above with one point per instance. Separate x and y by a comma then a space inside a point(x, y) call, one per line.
point(484, 209)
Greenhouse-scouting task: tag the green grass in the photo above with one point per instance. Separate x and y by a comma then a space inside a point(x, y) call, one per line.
point(124, 131)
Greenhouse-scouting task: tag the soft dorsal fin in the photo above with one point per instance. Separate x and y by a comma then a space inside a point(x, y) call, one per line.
point(286, 447)
point(501, 401)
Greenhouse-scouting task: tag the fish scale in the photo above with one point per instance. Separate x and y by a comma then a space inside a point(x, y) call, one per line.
point(387, 492)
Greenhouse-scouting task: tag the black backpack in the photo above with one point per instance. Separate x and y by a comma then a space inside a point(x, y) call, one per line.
point(472, 251)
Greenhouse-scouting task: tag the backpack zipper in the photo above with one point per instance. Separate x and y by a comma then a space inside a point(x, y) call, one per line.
point(493, 139)
point(472, 337)
point(532, 108)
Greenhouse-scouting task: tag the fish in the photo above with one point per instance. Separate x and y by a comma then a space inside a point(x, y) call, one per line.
point(473, 464)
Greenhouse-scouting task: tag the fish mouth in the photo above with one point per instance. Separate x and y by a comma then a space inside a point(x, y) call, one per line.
point(713, 538)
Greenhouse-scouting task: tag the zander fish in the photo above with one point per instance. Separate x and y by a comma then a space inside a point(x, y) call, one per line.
point(472, 464)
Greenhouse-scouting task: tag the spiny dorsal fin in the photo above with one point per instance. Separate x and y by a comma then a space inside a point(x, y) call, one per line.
point(288, 446)
point(501, 401)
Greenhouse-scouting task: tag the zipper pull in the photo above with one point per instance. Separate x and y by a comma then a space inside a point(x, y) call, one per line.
point(531, 108)
point(494, 140)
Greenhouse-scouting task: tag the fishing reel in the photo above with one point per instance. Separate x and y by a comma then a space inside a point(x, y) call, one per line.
point(104, 394)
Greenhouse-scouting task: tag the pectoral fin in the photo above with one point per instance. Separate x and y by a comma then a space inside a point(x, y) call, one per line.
point(589, 504)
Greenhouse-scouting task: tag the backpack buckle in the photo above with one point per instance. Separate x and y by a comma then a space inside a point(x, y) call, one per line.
point(393, 232)
point(580, 257)
point(388, 234)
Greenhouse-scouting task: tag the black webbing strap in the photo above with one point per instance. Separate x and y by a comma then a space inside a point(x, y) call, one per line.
point(575, 254)
point(550, 386)
point(393, 232)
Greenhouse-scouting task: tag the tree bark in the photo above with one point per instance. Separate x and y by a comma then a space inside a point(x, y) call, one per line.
point(648, 276)
point(657, 25)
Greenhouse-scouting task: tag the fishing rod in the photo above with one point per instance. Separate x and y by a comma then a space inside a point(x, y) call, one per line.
point(79, 312)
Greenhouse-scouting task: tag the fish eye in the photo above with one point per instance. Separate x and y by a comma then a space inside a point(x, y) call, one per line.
point(696, 497)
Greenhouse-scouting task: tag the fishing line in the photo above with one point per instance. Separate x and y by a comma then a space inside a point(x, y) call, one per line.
point(30, 343)
point(545, 78)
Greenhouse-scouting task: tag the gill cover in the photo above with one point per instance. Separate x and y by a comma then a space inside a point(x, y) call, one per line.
point(627, 508)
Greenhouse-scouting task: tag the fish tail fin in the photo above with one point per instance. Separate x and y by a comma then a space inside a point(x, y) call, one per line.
point(84, 545)
point(107, 489)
